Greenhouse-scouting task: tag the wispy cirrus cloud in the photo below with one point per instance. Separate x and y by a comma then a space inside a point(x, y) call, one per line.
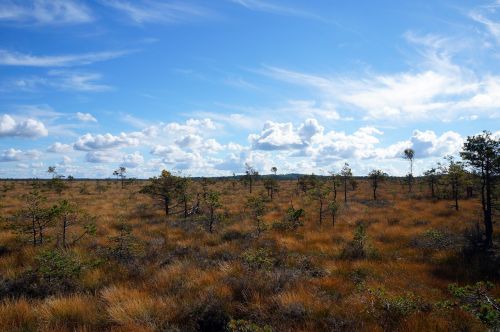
point(434, 87)
point(149, 11)
point(57, 80)
point(10, 58)
point(45, 12)
point(273, 8)
point(492, 26)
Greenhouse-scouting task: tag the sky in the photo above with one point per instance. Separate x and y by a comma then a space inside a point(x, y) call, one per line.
point(205, 87)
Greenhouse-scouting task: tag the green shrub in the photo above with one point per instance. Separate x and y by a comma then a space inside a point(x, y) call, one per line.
point(260, 258)
point(359, 247)
point(242, 325)
point(56, 265)
point(476, 300)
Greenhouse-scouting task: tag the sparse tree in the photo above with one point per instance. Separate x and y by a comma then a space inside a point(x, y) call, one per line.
point(376, 176)
point(482, 154)
point(320, 193)
point(184, 195)
point(52, 170)
point(271, 185)
point(251, 176)
point(205, 184)
point(346, 174)
point(70, 216)
point(333, 207)
point(37, 216)
point(56, 183)
point(274, 170)
point(164, 188)
point(257, 209)
point(432, 176)
point(335, 184)
point(409, 154)
point(120, 174)
point(454, 175)
point(213, 203)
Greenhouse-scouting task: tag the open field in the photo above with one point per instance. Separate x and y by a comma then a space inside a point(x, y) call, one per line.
point(142, 271)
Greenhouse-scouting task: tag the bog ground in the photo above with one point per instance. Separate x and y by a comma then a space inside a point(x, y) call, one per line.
point(402, 262)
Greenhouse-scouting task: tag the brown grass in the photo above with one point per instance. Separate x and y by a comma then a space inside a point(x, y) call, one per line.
point(178, 276)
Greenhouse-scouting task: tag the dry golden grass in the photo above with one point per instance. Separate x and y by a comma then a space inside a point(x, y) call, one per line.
point(178, 276)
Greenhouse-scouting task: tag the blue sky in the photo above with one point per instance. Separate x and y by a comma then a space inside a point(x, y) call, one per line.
point(204, 87)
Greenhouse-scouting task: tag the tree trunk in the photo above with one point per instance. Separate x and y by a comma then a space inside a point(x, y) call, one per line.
point(320, 212)
point(33, 228)
point(166, 207)
point(488, 224)
point(40, 234)
point(333, 219)
point(455, 195)
point(345, 190)
point(65, 223)
point(185, 208)
point(211, 218)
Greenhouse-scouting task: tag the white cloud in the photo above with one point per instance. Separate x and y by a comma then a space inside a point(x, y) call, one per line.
point(133, 160)
point(59, 80)
point(270, 7)
point(102, 157)
point(10, 127)
point(89, 142)
point(435, 87)
point(85, 117)
point(492, 26)
point(157, 11)
point(17, 155)
point(283, 136)
point(8, 58)
point(45, 12)
point(428, 144)
point(58, 147)
point(277, 136)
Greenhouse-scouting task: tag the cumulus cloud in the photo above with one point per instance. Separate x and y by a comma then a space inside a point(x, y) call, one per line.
point(102, 157)
point(277, 136)
point(428, 144)
point(10, 127)
point(17, 155)
point(133, 160)
point(58, 147)
point(89, 142)
point(85, 117)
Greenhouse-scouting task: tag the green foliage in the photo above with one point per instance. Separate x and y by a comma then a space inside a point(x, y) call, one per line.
point(358, 248)
point(166, 188)
point(476, 300)
point(56, 265)
point(124, 246)
point(391, 309)
point(241, 325)
point(260, 258)
point(291, 220)
point(434, 239)
point(257, 209)
point(84, 189)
